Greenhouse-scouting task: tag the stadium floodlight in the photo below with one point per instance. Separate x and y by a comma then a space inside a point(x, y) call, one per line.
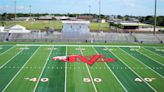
point(155, 16)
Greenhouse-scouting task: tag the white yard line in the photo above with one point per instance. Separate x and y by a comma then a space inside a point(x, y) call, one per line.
point(7, 50)
point(65, 84)
point(149, 68)
point(153, 52)
point(112, 72)
point(151, 58)
point(19, 70)
point(133, 71)
point(89, 74)
point(144, 64)
point(42, 70)
point(10, 59)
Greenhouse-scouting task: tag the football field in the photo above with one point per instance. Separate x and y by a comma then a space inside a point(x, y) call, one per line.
point(31, 68)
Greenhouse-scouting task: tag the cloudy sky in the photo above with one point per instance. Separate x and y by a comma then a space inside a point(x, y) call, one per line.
point(108, 7)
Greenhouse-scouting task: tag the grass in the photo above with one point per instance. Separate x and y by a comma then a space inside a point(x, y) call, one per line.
point(18, 64)
point(54, 24)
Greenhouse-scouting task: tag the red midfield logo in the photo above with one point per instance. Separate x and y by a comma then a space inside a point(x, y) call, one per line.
point(90, 60)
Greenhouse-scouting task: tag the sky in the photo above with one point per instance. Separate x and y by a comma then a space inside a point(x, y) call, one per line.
point(108, 7)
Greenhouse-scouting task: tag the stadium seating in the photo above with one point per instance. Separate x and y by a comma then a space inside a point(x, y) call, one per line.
point(146, 38)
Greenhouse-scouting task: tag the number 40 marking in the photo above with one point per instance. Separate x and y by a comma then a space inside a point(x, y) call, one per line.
point(145, 79)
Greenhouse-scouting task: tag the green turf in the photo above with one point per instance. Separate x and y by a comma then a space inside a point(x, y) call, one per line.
point(4, 48)
point(109, 82)
point(152, 55)
point(157, 50)
point(75, 75)
point(124, 74)
point(147, 61)
point(54, 73)
point(37, 61)
point(139, 69)
point(14, 66)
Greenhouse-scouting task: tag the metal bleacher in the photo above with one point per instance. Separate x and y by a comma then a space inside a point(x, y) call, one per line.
point(146, 38)
point(93, 37)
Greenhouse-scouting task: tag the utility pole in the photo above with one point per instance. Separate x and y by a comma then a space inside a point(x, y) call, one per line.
point(89, 9)
point(15, 10)
point(99, 19)
point(30, 10)
point(155, 16)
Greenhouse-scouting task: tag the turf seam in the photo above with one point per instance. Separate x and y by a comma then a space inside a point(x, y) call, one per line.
point(19, 70)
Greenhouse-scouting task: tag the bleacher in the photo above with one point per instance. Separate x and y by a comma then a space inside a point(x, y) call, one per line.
point(94, 37)
point(146, 38)
point(3, 36)
point(160, 37)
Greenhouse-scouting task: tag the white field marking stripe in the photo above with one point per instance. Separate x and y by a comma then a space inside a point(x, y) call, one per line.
point(65, 84)
point(42, 71)
point(152, 69)
point(151, 58)
point(133, 71)
point(7, 50)
point(89, 73)
point(143, 64)
point(76, 45)
point(112, 72)
point(10, 59)
point(20, 70)
point(153, 52)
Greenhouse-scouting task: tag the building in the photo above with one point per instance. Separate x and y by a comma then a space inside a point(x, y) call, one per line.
point(86, 18)
point(76, 29)
point(18, 29)
point(48, 17)
point(2, 29)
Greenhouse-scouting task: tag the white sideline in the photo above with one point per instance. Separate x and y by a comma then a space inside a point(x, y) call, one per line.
point(10, 59)
point(7, 50)
point(77, 45)
point(133, 71)
point(65, 84)
point(89, 73)
point(112, 72)
point(42, 70)
point(19, 71)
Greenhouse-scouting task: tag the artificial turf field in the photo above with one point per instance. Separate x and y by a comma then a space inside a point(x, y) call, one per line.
point(30, 68)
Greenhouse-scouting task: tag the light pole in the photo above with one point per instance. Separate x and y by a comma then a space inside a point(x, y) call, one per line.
point(99, 19)
point(89, 9)
point(30, 10)
point(155, 16)
point(15, 10)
